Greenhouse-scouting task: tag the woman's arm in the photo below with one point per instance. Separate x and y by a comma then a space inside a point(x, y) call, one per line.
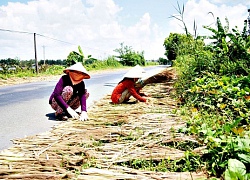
point(132, 90)
point(58, 94)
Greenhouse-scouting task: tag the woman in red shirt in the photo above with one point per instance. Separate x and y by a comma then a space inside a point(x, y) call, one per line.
point(126, 87)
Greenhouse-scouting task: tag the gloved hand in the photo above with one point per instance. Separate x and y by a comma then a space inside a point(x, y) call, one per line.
point(72, 113)
point(84, 116)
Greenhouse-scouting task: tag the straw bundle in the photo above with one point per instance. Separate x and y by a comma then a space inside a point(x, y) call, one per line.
point(166, 75)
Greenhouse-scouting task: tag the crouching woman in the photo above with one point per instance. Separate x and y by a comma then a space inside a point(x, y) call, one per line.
point(126, 87)
point(70, 93)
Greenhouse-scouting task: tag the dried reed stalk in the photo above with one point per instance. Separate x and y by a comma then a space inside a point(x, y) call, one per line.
point(166, 75)
point(122, 153)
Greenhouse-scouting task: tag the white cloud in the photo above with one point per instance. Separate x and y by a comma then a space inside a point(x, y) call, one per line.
point(200, 13)
point(231, 2)
point(97, 26)
point(140, 30)
point(67, 20)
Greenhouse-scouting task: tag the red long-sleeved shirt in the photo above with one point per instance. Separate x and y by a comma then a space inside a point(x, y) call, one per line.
point(121, 87)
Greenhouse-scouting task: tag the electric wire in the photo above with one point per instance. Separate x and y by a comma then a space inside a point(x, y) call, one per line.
point(25, 32)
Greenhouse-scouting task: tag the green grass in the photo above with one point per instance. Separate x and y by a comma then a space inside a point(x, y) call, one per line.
point(48, 70)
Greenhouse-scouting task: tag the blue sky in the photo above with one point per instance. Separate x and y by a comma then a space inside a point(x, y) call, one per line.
point(4, 2)
point(99, 26)
point(159, 10)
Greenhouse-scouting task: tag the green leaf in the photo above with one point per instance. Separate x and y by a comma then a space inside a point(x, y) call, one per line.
point(230, 175)
point(80, 50)
point(243, 144)
point(224, 45)
point(237, 167)
point(247, 176)
point(244, 157)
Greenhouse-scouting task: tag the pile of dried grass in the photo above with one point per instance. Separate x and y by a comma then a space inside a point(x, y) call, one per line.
point(167, 75)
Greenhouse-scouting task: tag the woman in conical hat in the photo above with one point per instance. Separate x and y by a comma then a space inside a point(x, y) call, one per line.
point(70, 93)
point(126, 87)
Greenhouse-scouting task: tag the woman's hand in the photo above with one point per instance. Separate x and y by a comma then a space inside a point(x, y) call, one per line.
point(84, 116)
point(72, 113)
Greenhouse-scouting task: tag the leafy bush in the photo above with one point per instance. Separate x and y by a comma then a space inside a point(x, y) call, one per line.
point(225, 95)
point(213, 88)
point(128, 57)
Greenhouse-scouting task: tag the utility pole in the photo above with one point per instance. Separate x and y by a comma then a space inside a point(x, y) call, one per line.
point(36, 63)
point(43, 54)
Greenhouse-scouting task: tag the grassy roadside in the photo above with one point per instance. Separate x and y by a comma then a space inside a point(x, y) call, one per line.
point(15, 79)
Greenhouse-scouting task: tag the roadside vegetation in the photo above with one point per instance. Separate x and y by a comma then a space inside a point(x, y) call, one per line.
point(127, 57)
point(213, 89)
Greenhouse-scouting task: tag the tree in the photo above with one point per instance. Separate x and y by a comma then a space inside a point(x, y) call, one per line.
point(164, 61)
point(129, 57)
point(178, 44)
point(231, 49)
point(74, 57)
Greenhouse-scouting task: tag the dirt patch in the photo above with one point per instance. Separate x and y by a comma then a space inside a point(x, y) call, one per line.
point(115, 135)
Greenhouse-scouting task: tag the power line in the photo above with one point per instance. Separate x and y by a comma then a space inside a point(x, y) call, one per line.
point(16, 31)
point(24, 32)
point(36, 34)
point(55, 39)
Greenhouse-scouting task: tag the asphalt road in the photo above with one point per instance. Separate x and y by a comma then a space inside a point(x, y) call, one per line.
point(24, 108)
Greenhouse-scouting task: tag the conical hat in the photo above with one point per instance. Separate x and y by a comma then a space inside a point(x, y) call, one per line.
point(77, 67)
point(136, 72)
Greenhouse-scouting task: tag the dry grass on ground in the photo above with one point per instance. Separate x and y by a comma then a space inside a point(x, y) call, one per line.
point(95, 149)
